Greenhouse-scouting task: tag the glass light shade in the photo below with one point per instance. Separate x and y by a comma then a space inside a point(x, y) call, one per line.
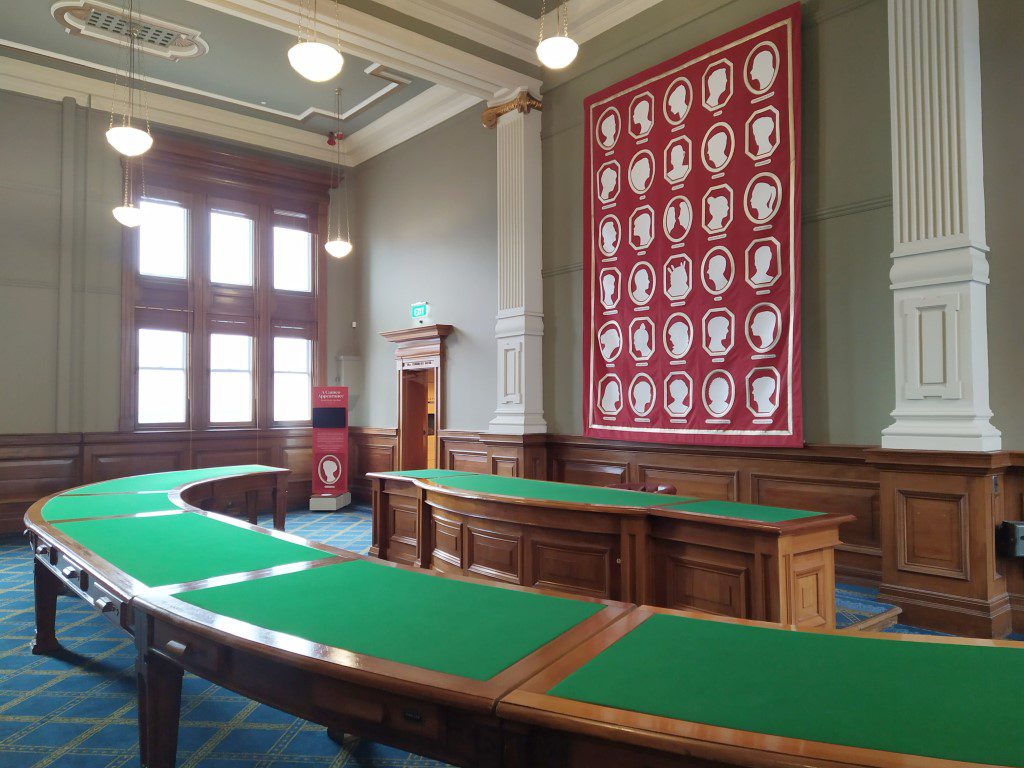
point(315, 61)
point(338, 248)
point(128, 215)
point(557, 52)
point(129, 141)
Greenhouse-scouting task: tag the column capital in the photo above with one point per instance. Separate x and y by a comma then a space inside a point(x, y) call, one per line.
point(523, 102)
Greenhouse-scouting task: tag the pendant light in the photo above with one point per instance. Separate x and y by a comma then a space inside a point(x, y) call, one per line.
point(338, 245)
point(124, 133)
point(311, 58)
point(127, 213)
point(559, 50)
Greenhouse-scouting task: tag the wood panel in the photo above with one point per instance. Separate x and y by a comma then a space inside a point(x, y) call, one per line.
point(370, 450)
point(33, 466)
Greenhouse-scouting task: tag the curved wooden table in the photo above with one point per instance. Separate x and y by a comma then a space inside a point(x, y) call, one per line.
point(740, 560)
point(480, 674)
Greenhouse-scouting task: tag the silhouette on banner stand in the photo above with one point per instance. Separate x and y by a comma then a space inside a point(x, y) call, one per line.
point(330, 449)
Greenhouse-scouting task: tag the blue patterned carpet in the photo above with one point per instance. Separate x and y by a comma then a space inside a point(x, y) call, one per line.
point(78, 711)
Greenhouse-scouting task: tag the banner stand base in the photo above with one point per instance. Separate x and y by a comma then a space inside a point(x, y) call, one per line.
point(329, 503)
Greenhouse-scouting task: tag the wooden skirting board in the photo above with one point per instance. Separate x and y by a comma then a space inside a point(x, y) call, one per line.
point(923, 529)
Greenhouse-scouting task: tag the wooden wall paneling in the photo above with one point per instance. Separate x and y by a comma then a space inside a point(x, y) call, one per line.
point(495, 454)
point(1013, 509)
point(589, 471)
point(939, 512)
point(715, 484)
point(370, 450)
point(117, 457)
point(32, 467)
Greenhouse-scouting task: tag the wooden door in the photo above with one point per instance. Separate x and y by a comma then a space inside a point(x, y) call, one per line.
point(412, 420)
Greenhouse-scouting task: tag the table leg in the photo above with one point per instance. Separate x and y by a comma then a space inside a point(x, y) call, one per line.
point(250, 506)
point(159, 683)
point(280, 494)
point(338, 737)
point(47, 588)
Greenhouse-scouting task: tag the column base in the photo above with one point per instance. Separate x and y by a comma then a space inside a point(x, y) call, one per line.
point(517, 424)
point(923, 434)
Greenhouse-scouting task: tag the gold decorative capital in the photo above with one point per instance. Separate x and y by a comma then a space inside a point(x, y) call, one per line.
point(523, 102)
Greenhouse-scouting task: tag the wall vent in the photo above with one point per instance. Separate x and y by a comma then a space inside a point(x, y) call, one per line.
point(109, 24)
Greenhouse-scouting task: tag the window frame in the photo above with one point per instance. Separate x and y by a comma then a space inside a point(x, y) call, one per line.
point(205, 178)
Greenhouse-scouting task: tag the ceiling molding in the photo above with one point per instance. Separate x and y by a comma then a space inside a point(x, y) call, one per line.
point(373, 39)
point(486, 21)
point(499, 27)
point(420, 113)
point(394, 80)
point(415, 116)
point(589, 18)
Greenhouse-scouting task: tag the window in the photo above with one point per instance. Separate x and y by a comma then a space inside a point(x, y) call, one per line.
point(292, 259)
point(162, 239)
point(230, 378)
point(163, 386)
point(223, 302)
point(231, 248)
point(293, 374)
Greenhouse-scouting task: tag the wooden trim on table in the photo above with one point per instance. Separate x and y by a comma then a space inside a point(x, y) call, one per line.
point(533, 705)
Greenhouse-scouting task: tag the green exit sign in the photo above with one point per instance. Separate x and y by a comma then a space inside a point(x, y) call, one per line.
point(419, 311)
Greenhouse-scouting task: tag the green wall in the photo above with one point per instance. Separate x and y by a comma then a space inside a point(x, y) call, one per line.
point(56, 168)
point(847, 230)
point(1002, 97)
point(425, 228)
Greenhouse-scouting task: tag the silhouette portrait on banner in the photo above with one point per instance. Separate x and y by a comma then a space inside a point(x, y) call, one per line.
point(608, 182)
point(641, 283)
point(764, 326)
point(678, 219)
point(329, 470)
point(641, 394)
point(641, 171)
point(718, 147)
point(677, 160)
point(717, 270)
point(641, 228)
point(641, 339)
point(641, 112)
point(609, 288)
point(719, 393)
point(608, 128)
point(610, 394)
point(763, 197)
point(762, 262)
point(717, 208)
point(763, 390)
point(762, 67)
point(610, 340)
point(717, 329)
point(678, 279)
point(678, 394)
point(717, 84)
point(678, 335)
point(763, 133)
point(609, 239)
point(678, 98)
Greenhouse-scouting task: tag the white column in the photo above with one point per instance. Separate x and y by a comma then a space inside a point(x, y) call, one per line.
point(519, 331)
point(939, 272)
